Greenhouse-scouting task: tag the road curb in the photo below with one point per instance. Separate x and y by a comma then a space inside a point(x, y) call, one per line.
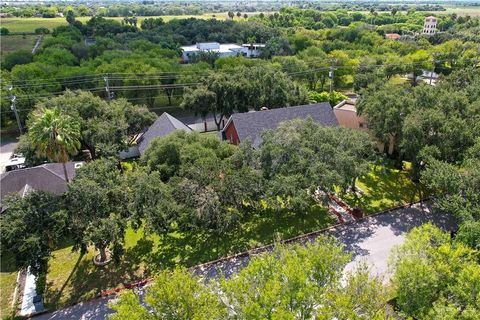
point(263, 248)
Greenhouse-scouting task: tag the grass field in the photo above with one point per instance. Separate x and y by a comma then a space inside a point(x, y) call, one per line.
point(72, 278)
point(8, 279)
point(28, 25)
point(463, 11)
point(384, 188)
point(16, 42)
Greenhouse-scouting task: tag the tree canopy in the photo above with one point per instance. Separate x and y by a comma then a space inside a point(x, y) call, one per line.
point(291, 282)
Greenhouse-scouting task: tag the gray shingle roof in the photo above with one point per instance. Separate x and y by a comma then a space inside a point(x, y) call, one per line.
point(46, 177)
point(252, 124)
point(164, 125)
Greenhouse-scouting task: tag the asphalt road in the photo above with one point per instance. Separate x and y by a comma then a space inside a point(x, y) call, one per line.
point(6, 150)
point(369, 241)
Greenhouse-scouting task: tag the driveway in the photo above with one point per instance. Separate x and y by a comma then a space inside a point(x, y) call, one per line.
point(369, 240)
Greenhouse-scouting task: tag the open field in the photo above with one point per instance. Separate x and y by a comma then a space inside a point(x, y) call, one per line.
point(28, 25)
point(463, 11)
point(16, 42)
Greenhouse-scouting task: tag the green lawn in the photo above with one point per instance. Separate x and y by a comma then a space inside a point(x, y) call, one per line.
point(15, 42)
point(28, 25)
point(384, 188)
point(8, 279)
point(72, 278)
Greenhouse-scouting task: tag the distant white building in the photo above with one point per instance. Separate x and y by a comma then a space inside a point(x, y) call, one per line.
point(430, 25)
point(253, 49)
point(223, 50)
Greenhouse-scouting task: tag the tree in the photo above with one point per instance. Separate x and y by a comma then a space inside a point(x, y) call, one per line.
point(42, 30)
point(291, 282)
point(70, 17)
point(31, 229)
point(318, 64)
point(174, 154)
point(239, 14)
point(154, 206)
point(276, 46)
point(432, 276)
point(151, 23)
point(55, 135)
point(15, 58)
point(324, 158)
point(97, 210)
point(4, 31)
point(418, 62)
point(105, 127)
point(333, 98)
point(457, 190)
point(231, 14)
point(244, 89)
point(385, 110)
point(200, 100)
point(174, 295)
point(245, 16)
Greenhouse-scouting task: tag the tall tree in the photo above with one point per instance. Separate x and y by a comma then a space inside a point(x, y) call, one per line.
point(97, 208)
point(55, 135)
point(105, 128)
point(31, 229)
point(385, 110)
point(301, 157)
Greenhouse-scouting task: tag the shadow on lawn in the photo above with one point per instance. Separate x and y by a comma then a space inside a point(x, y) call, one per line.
point(148, 256)
point(385, 188)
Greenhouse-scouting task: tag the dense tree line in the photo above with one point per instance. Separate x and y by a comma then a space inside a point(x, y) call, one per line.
point(426, 121)
point(300, 43)
point(151, 8)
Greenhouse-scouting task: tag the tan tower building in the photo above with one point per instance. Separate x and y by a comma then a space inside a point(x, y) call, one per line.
point(430, 25)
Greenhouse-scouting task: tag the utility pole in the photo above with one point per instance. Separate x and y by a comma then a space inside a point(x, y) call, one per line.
point(13, 107)
point(330, 74)
point(107, 88)
point(432, 72)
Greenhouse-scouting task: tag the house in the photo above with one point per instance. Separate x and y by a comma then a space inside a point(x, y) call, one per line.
point(47, 177)
point(164, 125)
point(250, 125)
point(392, 36)
point(223, 50)
point(253, 49)
point(347, 117)
point(429, 77)
point(429, 25)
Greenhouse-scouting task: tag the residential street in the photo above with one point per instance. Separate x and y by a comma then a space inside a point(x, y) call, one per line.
point(369, 240)
point(6, 150)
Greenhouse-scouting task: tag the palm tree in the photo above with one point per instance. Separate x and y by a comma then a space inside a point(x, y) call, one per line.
point(55, 135)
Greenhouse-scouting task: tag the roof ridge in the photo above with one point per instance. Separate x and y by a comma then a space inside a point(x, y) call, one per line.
point(44, 166)
point(292, 107)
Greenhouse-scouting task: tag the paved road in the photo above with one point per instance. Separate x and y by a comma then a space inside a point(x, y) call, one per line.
point(6, 150)
point(369, 240)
